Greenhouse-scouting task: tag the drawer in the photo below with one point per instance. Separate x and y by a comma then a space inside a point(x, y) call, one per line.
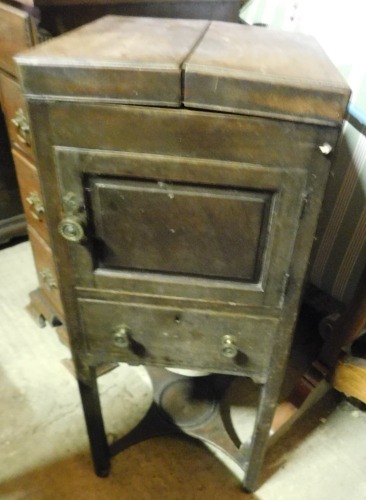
point(16, 34)
point(169, 336)
point(16, 116)
point(30, 192)
point(45, 269)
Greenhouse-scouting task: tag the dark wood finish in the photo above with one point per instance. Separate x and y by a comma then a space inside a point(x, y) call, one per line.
point(292, 62)
point(241, 193)
point(190, 230)
point(171, 336)
point(95, 426)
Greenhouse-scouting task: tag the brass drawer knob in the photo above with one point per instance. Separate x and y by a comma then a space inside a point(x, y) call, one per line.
point(325, 149)
point(22, 126)
point(228, 346)
point(120, 337)
point(37, 208)
point(71, 229)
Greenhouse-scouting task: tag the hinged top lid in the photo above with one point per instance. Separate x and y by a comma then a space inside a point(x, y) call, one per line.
point(250, 69)
point(121, 59)
point(199, 64)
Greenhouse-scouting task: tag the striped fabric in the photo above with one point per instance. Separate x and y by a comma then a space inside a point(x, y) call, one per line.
point(339, 253)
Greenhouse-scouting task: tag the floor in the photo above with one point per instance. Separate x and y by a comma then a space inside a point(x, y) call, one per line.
point(44, 449)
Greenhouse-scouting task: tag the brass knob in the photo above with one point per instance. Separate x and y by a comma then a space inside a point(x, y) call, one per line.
point(228, 346)
point(325, 149)
point(120, 337)
point(71, 229)
point(36, 205)
point(21, 124)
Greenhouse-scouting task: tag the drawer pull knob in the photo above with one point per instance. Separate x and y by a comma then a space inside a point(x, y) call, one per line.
point(21, 124)
point(121, 337)
point(229, 348)
point(71, 229)
point(37, 208)
point(326, 149)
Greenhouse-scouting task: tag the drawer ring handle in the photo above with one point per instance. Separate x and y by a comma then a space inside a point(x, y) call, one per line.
point(71, 229)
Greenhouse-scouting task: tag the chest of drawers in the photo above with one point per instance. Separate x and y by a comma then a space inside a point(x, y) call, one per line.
point(183, 165)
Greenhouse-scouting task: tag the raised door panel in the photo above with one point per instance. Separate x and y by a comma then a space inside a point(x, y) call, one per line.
point(177, 228)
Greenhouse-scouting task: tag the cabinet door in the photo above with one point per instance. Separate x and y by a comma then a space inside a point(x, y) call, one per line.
point(174, 203)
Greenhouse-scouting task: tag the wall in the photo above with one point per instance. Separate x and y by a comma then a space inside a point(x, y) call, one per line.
point(340, 248)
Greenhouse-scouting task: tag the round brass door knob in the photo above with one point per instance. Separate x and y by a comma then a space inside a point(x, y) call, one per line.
point(71, 229)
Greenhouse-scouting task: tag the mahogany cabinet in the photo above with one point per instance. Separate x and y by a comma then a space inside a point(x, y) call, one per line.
point(182, 165)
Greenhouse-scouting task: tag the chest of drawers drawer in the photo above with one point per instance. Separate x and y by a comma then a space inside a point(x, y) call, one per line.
point(30, 191)
point(16, 34)
point(16, 116)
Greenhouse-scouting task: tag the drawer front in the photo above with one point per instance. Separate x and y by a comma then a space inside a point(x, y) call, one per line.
point(45, 269)
point(16, 115)
point(30, 192)
point(15, 35)
point(171, 337)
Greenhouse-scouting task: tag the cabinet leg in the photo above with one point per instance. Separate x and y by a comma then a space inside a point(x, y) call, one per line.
point(260, 437)
point(94, 423)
